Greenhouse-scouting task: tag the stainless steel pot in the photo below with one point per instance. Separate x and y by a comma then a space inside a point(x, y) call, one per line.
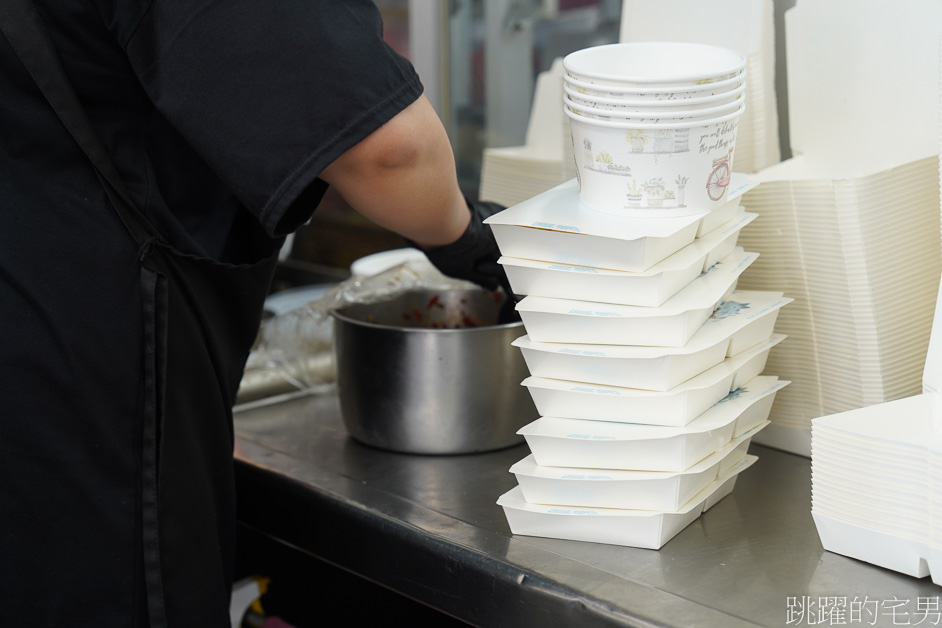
point(431, 373)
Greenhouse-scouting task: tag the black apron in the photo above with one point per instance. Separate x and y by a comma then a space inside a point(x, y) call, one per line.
point(200, 319)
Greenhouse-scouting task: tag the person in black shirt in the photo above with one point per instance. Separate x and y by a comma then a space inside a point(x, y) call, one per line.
point(127, 303)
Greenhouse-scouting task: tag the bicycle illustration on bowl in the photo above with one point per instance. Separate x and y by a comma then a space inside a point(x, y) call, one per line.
point(719, 178)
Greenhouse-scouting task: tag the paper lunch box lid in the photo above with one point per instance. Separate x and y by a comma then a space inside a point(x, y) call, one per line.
point(553, 227)
point(683, 258)
point(671, 324)
point(649, 288)
point(745, 307)
point(676, 407)
point(907, 421)
point(705, 291)
point(751, 362)
point(607, 433)
point(633, 528)
point(932, 372)
point(754, 314)
point(613, 488)
point(739, 185)
point(742, 321)
point(883, 549)
point(559, 209)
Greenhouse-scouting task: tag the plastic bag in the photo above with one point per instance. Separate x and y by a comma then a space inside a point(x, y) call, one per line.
point(294, 350)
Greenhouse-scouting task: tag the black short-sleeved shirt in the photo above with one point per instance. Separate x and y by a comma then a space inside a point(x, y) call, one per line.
point(208, 106)
point(219, 117)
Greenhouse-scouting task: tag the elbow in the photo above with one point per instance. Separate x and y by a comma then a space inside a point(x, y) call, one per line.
point(413, 141)
point(391, 150)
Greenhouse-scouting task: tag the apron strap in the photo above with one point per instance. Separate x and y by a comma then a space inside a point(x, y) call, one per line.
point(22, 25)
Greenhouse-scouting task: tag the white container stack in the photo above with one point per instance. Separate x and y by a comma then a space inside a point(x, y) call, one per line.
point(646, 362)
point(877, 484)
point(876, 471)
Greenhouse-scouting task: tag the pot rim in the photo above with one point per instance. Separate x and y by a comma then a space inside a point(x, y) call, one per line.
point(338, 315)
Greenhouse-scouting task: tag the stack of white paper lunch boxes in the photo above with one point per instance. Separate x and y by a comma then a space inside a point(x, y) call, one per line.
point(645, 365)
point(645, 361)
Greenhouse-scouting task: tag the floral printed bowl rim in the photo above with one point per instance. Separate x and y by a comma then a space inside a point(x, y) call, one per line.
point(679, 124)
point(653, 104)
point(703, 113)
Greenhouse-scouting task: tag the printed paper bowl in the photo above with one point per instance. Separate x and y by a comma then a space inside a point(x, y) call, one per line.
point(632, 168)
point(653, 63)
point(614, 97)
point(649, 117)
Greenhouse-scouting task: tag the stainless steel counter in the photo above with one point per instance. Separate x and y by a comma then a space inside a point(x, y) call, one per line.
point(429, 528)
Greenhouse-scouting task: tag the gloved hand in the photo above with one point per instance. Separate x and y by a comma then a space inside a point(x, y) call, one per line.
point(474, 255)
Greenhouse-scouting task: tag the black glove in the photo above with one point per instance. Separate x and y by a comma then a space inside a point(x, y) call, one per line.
point(474, 255)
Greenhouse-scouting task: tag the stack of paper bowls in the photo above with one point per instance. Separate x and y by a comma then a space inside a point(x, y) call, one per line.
point(645, 361)
point(654, 125)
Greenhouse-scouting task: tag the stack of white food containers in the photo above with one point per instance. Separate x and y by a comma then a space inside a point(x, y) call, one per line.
point(645, 360)
point(876, 476)
point(877, 485)
point(876, 472)
point(849, 224)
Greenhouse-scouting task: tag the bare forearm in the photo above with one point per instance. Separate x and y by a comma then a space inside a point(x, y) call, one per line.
point(402, 177)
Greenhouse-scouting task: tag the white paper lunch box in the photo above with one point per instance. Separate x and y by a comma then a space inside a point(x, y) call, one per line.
point(649, 288)
point(658, 368)
point(555, 227)
point(716, 218)
point(750, 363)
point(611, 488)
point(755, 398)
point(754, 312)
point(670, 325)
point(562, 442)
point(675, 407)
point(727, 483)
point(905, 555)
point(648, 529)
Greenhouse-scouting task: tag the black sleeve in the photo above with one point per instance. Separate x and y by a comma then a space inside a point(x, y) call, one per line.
point(270, 92)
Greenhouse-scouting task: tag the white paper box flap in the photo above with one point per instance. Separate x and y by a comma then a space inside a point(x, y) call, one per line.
point(528, 466)
point(742, 358)
point(559, 209)
point(697, 249)
point(722, 413)
point(932, 375)
point(705, 291)
point(719, 216)
point(514, 499)
point(704, 380)
point(744, 307)
point(906, 421)
point(663, 491)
